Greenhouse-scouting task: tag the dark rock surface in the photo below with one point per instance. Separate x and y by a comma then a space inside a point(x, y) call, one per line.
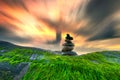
point(67, 48)
point(68, 37)
point(70, 53)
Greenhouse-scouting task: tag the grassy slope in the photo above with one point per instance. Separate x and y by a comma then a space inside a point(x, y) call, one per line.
point(95, 66)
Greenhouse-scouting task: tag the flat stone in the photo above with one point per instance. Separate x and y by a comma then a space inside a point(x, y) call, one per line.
point(68, 41)
point(68, 44)
point(69, 53)
point(67, 48)
point(33, 57)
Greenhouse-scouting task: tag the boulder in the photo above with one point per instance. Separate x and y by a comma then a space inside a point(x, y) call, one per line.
point(67, 48)
point(70, 53)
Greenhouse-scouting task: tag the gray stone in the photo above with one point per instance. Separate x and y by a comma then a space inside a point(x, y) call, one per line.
point(33, 57)
point(22, 71)
point(70, 53)
point(2, 51)
point(68, 44)
point(10, 70)
point(67, 48)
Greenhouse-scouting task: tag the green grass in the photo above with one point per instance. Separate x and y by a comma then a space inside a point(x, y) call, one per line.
point(73, 68)
point(93, 66)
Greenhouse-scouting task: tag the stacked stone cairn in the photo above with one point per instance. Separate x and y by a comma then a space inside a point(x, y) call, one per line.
point(68, 46)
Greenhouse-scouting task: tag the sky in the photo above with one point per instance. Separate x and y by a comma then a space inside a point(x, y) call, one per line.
point(94, 24)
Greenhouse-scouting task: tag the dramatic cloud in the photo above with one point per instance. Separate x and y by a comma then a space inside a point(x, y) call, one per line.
point(94, 24)
point(107, 32)
point(98, 10)
point(102, 21)
point(8, 35)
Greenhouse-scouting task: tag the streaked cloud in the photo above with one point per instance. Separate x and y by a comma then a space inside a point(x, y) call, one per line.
point(94, 24)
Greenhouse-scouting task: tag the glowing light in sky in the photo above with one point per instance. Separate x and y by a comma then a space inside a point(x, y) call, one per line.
point(31, 22)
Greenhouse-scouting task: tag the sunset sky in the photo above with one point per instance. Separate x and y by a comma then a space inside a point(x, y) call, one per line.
point(94, 24)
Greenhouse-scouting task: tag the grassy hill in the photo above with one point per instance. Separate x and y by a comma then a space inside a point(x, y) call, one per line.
point(22, 63)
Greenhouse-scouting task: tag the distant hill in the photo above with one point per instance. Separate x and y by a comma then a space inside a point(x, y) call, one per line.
point(4, 44)
point(9, 45)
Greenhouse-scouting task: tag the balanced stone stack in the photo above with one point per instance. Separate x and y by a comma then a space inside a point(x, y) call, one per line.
point(68, 46)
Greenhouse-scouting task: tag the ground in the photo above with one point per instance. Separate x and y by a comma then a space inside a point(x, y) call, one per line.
point(23, 63)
